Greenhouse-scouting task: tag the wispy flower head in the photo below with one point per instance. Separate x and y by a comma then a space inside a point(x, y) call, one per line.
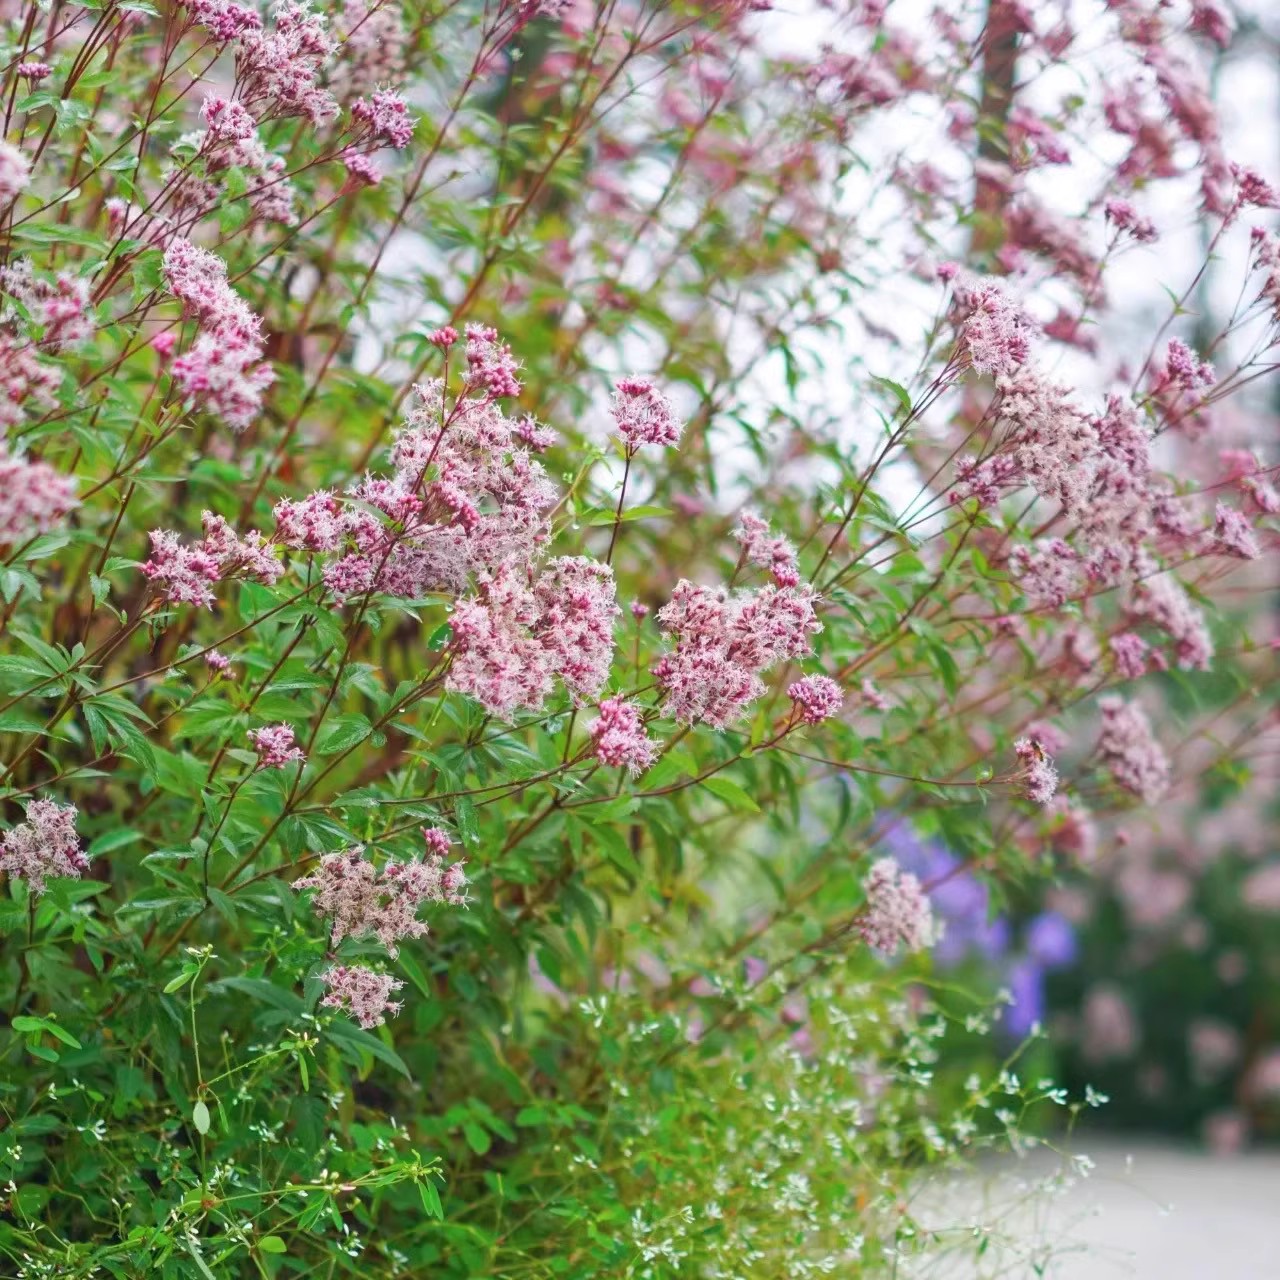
point(1039, 777)
point(363, 993)
point(43, 847)
point(643, 415)
point(897, 913)
point(817, 698)
point(1129, 750)
point(620, 739)
point(275, 746)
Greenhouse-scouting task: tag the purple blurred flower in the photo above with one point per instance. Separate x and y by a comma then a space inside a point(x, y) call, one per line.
point(1026, 985)
point(959, 899)
point(1051, 940)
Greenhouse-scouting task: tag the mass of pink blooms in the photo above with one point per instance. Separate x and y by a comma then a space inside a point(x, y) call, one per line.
point(897, 914)
point(43, 847)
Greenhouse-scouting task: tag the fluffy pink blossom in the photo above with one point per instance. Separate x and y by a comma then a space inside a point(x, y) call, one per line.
point(643, 415)
point(1129, 651)
point(362, 170)
point(1048, 572)
point(1213, 20)
point(773, 553)
point(1162, 600)
point(25, 382)
point(724, 641)
point(275, 746)
point(373, 46)
point(1129, 750)
point(995, 332)
point(619, 737)
point(44, 846)
point(490, 364)
point(185, 574)
point(224, 19)
point(385, 118)
point(363, 993)
point(466, 496)
point(199, 279)
point(15, 172)
point(816, 698)
point(34, 71)
point(1039, 777)
point(897, 911)
point(531, 433)
point(34, 498)
point(60, 307)
point(1232, 534)
point(316, 523)
point(224, 375)
point(1122, 215)
point(362, 900)
point(225, 121)
point(278, 71)
point(217, 662)
point(497, 660)
point(576, 600)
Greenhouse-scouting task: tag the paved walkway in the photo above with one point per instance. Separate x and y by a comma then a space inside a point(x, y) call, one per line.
point(1145, 1211)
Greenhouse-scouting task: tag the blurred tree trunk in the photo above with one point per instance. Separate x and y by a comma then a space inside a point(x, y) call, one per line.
point(999, 72)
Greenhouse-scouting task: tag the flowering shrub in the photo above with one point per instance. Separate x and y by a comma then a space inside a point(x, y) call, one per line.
point(504, 507)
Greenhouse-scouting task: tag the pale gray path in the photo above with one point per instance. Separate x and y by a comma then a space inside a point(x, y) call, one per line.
point(1144, 1211)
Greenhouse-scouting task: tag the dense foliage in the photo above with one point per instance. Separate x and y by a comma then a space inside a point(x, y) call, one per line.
point(518, 517)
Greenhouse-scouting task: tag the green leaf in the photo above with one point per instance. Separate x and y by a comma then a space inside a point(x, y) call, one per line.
point(342, 733)
point(902, 394)
point(477, 1138)
point(354, 1038)
point(732, 794)
point(272, 1244)
point(200, 1118)
point(431, 1199)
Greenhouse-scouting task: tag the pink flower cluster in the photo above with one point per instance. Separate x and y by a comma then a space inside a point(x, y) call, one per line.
point(34, 498)
point(1039, 777)
point(362, 993)
point(362, 900)
point(773, 553)
point(514, 636)
point(897, 913)
point(995, 332)
point(230, 140)
point(724, 641)
point(59, 307)
point(15, 172)
point(1122, 215)
point(816, 698)
point(186, 574)
point(1129, 750)
point(223, 372)
point(491, 368)
point(643, 415)
point(224, 19)
point(385, 118)
point(373, 46)
point(25, 383)
point(45, 845)
point(466, 496)
point(278, 72)
point(620, 739)
point(275, 746)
